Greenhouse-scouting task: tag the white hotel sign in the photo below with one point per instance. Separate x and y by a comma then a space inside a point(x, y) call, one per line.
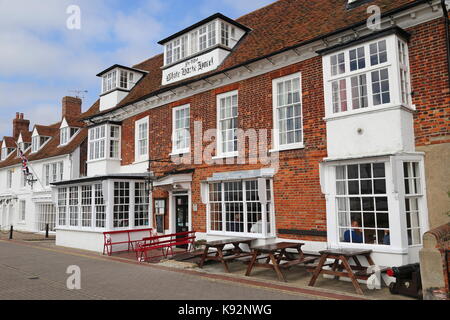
point(193, 67)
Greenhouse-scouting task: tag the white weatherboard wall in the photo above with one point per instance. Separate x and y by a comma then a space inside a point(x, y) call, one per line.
point(380, 131)
point(39, 195)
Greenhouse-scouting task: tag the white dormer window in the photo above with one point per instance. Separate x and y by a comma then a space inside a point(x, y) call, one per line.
point(4, 153)
point(199, 40)
point(37, 142)
point(117, 79)
point(23, 146)
point(66, 134)
point(110, 81)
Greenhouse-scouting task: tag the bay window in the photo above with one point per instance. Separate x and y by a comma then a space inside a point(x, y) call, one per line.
point(102, 138)
point(181, 138)
point(121, 218)
point(85, 205)
point(141, 205)
point(62, 206)
point(74, 199)
point(362, 203)
point(367, 75)
point(287, 112)
point(240, 207)
point(227, 118)
point(413, 196)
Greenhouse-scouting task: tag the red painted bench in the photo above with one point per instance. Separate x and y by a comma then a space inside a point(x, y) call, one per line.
point(164, 243)
point(108, 241)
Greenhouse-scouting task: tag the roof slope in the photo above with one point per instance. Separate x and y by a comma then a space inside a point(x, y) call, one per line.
point(278, 26)
point(52, 147)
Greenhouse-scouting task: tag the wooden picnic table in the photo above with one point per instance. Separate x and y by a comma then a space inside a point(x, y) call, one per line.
point(231, 254)
point(275, 253)
point(354, 272)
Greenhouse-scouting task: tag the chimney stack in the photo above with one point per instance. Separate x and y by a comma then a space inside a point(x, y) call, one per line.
point(20, 124)
point(71, 107)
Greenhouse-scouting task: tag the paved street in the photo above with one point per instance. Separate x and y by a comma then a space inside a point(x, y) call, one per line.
point(31, 272)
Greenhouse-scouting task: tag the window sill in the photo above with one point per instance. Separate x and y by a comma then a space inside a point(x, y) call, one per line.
point(239, 235)
point(376, 248)
point(179, 153)
point(372, 109)
point(102, 159)
point(288, 147)
point(141, 161)
point(226, 155)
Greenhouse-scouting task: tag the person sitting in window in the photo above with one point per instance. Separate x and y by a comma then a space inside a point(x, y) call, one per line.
point(356, 235)
point(235, 225)
point(386, 238)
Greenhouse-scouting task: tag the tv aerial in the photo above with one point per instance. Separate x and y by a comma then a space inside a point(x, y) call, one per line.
point(79, 93)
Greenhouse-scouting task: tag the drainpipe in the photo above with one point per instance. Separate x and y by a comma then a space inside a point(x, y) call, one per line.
point(447, 36)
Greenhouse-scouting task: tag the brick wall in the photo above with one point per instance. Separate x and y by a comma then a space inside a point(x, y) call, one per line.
point(429, 80)
point(299, 203)
point(296, 183)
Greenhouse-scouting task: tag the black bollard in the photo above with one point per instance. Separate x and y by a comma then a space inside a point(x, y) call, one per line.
point(46, 231)
point(11, 233)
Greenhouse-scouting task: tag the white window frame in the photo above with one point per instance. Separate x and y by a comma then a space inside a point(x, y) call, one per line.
point(9, 178)
point(190, 43)
point(110, 81)
point(220, 152)
point(95, 143)
point(276, 137)
point(22, 210)
point(264, 213)
point(53, 172)
point(392, 65)
point(138, 139)
point(185, 130)
point(111, 139)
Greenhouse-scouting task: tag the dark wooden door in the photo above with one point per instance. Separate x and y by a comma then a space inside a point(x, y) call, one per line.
point(182, 214)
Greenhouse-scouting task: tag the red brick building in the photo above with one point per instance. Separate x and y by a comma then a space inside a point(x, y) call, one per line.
point(302, 120)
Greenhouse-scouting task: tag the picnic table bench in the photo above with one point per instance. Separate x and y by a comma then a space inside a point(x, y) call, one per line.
point(165, 243)
point(354, 272)
point(225, 255)
point(108, 242)
point(275, 253)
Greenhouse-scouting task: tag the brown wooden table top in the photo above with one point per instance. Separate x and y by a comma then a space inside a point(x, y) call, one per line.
point(277, 246)
point(346, 252)
point(223, 242)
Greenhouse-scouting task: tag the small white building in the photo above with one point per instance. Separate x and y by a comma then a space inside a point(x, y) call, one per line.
point(55, 152)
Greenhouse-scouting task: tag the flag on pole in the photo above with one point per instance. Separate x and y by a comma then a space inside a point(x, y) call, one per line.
point(25, 169)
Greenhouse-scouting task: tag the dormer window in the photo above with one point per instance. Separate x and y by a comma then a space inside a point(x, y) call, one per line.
point(110, 81)
point(199, 40)
point(67, 134)
point(23, 146)
point(200, 48)
point(37, 142)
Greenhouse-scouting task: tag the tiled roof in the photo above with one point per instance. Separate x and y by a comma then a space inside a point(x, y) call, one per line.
point(52, 147)
point(47, 131)
point(274, 28)
point(26, 136)
point(9, 142)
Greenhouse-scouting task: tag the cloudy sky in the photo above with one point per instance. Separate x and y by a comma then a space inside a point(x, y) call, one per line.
point(41, 60)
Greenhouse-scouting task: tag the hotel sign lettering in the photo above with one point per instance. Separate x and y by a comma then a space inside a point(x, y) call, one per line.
point(193, 67)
